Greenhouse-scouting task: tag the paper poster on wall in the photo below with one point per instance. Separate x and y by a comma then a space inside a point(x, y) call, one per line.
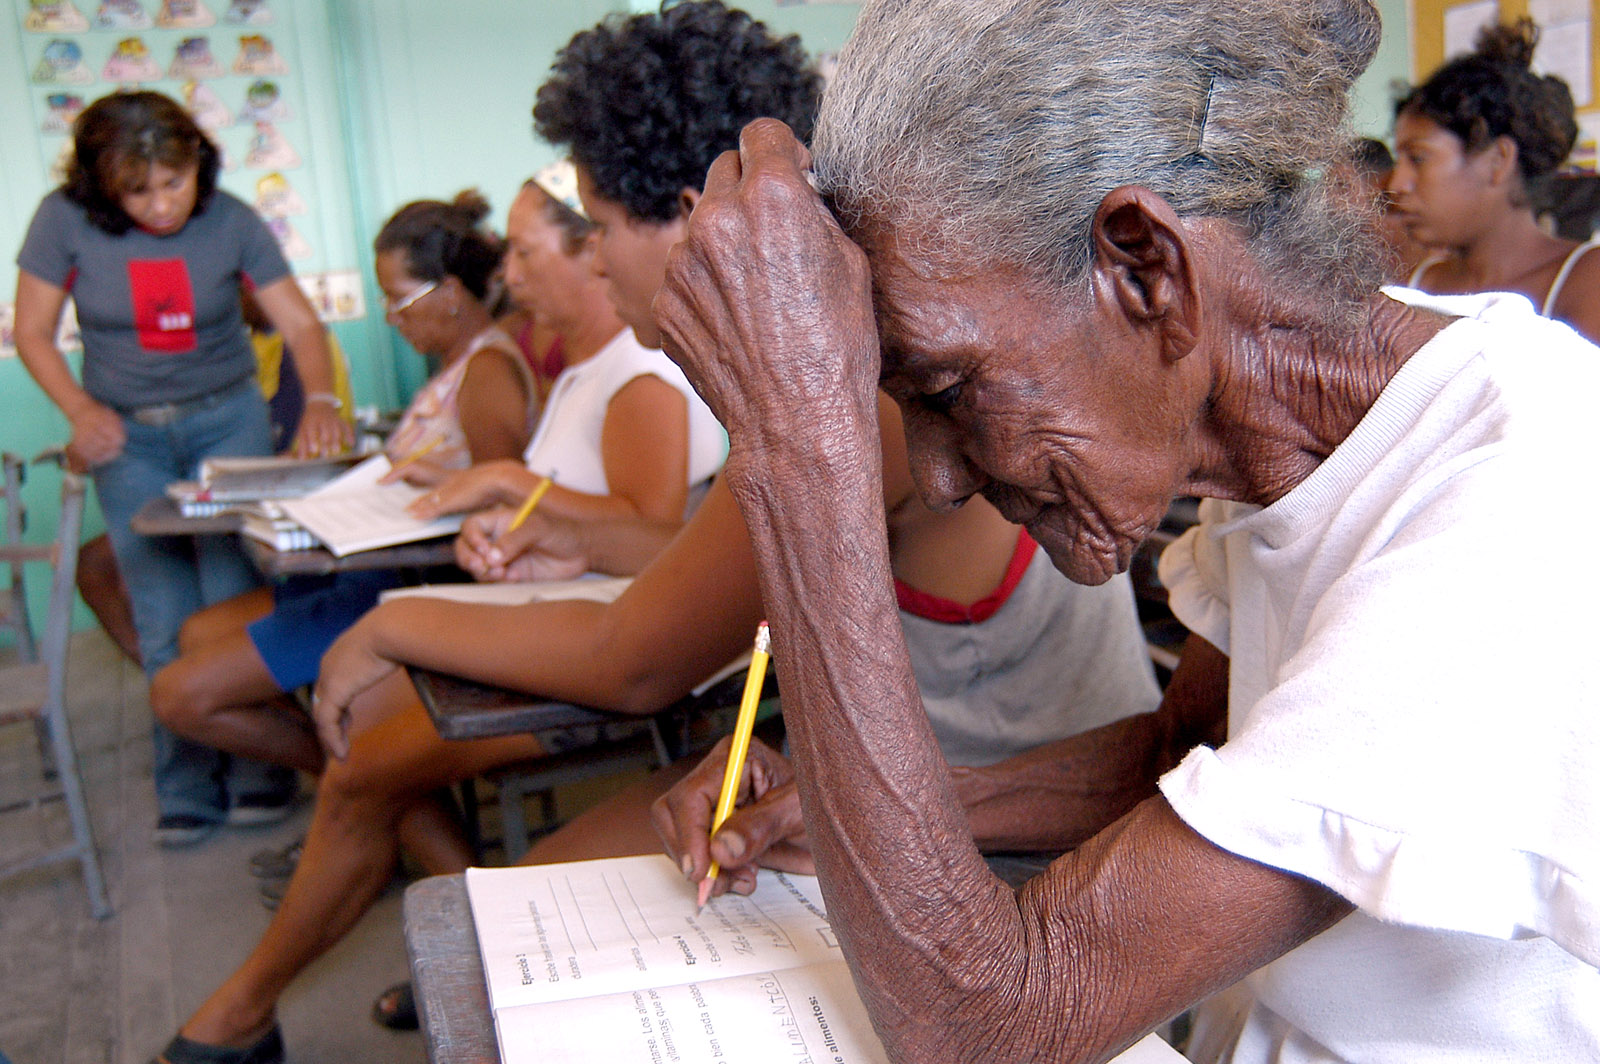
point(1462, 23)
point(293, 245)
point(54, 16)
point(131, 61)
point(248, 13)
point(193, 59)
point(68, 337)
point(336, 294)
point(263, 102)
point(62, 64)
point(122, 15)
point(205, 106)
point(184, 15)
point(270, 150)
point(257, 56)
point(1585, 157)
point(1564, 45)
point(276, 198)
point(61, 110)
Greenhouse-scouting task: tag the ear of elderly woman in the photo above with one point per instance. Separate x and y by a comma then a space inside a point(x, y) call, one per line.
point(1192, 358)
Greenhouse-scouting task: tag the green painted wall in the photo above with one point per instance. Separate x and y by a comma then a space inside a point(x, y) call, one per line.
point(407, 99)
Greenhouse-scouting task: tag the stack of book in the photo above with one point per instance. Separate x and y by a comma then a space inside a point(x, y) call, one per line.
point(232, 483)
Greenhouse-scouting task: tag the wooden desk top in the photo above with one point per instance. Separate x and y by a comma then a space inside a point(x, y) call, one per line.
point(319, 562)
point(462, 709)
point(161, 517)
point(451, 991)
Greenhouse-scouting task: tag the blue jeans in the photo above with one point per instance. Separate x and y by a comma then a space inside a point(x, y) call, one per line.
point(169, 577)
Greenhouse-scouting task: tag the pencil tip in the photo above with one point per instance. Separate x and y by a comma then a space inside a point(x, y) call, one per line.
point(702, 895)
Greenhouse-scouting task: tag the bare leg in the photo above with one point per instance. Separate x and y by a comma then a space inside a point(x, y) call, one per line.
point(100, 584)
point(350, 852)
point(617, 827)
point(219, 692)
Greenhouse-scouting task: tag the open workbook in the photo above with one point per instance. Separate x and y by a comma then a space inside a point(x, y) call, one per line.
point(608, 961)
point(355, 513)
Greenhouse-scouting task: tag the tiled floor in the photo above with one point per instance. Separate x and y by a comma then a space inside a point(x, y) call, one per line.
point(74, 990)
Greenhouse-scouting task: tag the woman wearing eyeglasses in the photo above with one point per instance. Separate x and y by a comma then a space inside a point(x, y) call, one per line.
point(238, 659)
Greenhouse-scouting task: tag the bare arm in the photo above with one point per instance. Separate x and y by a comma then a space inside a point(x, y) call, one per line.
point(688, 614)
point(493, 406)
point(1146, 917)
point(97, 432)
point(322, 430)
point(1579, 302)
point(1058, 795)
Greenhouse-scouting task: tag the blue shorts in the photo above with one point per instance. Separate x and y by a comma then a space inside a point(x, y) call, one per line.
point(308, 614)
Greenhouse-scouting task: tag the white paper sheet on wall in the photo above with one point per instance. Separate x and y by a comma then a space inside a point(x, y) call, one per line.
point(1564, 45)
point(1462, 23)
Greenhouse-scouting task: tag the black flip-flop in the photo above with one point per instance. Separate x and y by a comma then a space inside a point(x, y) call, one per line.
point(268, 1049)
point(396, 1009)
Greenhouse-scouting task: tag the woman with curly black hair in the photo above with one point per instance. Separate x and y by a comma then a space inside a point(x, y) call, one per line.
point(1472, 144)
point(645, 103)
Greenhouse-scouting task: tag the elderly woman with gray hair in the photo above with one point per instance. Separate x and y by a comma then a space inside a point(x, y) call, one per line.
point(1087, 247)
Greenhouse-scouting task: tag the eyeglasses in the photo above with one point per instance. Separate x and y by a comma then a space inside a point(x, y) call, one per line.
point(395, 307)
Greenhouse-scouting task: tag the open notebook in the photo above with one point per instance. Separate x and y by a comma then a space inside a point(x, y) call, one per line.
point(608, 961)
point(355, 513)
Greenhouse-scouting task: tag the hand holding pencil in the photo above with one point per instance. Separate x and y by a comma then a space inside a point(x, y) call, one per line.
point(739, 747)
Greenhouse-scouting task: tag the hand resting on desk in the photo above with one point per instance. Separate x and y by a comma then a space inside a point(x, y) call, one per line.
point(765, 830)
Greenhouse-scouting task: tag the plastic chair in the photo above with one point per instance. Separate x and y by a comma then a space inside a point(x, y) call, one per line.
point(35, 690)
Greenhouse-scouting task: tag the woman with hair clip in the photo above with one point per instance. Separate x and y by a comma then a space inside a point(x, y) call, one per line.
point(240, 658)
point(1472, 144)
point(153, 255)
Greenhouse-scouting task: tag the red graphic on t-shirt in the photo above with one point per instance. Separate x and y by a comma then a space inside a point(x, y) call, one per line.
point(163, 304)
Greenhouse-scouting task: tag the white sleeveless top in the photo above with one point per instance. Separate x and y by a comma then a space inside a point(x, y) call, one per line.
point(566, 445)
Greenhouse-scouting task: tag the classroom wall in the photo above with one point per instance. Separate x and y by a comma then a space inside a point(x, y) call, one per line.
point(406, 99)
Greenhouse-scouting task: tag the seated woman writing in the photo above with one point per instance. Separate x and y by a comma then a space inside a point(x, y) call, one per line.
point(240, 658)
point(1472, 143)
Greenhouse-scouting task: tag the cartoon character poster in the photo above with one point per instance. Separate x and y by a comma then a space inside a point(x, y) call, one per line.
point(206, 107)
point(62, 64)
point(54, 16)
point(257, 56)
point(184, 15)
point(130, 62)
point(122, 15)
point(276, 198)
point(193, 59)
point(263, 102)
point(61, 110)
point(248, 13)
point(270, 149)
point(293, 245)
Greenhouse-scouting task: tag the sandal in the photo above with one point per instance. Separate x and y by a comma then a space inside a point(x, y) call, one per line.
point(268, 1049)
point(396, 1009)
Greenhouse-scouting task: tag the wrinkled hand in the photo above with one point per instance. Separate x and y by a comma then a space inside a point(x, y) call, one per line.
point(98, 434)
point(463, 491)
point(349, 668)
point(765, 828)
point(321, 432)
point(767, 304)
point(541, 548)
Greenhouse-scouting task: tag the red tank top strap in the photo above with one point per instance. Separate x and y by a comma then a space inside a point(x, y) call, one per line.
point(948, 611)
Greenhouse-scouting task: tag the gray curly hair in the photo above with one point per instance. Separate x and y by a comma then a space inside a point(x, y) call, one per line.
point(993, 128)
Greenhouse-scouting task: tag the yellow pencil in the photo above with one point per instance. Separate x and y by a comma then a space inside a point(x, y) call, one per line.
point(533, 500)
point(740, 747)
point(416, 455)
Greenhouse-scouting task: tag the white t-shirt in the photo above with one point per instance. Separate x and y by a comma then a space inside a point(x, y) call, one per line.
point(566, 445)
point(1412, 721)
